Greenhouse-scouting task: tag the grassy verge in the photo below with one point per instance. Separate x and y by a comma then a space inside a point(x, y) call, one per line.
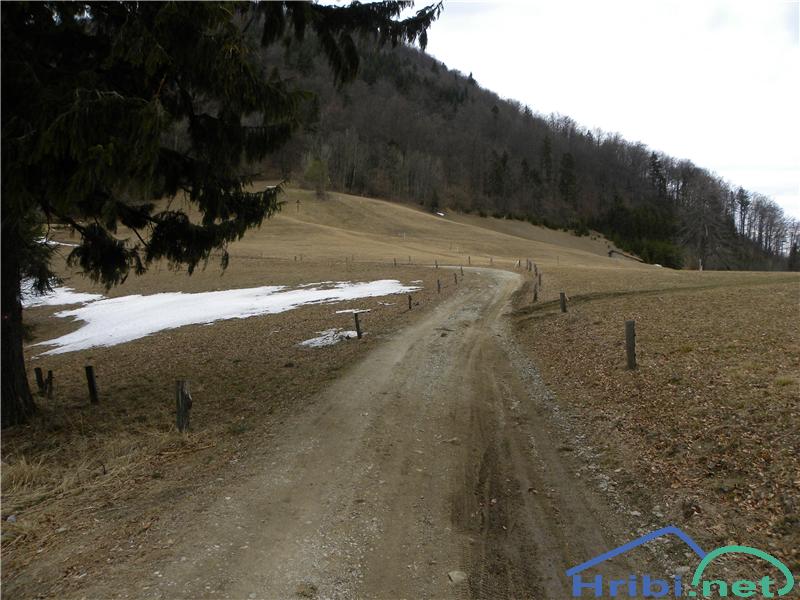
point(705, 434)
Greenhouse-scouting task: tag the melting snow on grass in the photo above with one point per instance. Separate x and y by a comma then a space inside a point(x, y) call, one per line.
point(58, 296)
point(49, 242)
point(117, 320)
point(329, 337)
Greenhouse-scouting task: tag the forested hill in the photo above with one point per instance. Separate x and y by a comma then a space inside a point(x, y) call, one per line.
point(410, 129)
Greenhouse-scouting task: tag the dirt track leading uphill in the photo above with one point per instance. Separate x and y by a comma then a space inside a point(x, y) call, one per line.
point(434, 454)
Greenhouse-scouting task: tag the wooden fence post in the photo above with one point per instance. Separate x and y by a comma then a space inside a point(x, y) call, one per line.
point(630, 343)
point(469, 260)
point(92, 383)
point(455, 278)
point(409, 302)
point(49, 384)
point(438, 286)
point(462, 270)
point(39, 379)
point(535, 292)
point(563, 299)
point(435, 263)
point(395, 261)
point(183, 404)
point(358, 325)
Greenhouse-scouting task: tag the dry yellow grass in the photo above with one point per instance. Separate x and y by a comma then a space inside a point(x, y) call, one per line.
point(706, 432)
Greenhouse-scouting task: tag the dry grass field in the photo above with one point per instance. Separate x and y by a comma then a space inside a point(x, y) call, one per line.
point(706, 431)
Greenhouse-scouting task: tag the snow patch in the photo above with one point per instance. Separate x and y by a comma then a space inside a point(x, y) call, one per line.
point(49, 242)
point(58, 296)
point(352, 310)
point(329, 337)
point(117, 320)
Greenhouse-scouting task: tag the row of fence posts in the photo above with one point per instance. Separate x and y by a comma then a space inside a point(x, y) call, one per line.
point(183, 396)
point(630, 326)
point(45, 384)
point(435, 261)
point(530, 266)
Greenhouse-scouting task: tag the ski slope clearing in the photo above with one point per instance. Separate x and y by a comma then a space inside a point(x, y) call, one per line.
point(117, 320)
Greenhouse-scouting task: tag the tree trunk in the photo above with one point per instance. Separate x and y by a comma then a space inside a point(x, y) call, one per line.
point(17, 401)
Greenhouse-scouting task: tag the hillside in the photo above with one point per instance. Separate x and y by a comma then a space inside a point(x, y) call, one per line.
point(94, 493)
point(269, 337)
point(410, 129)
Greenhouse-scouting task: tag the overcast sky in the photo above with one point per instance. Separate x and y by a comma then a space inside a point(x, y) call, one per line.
point(717, 82)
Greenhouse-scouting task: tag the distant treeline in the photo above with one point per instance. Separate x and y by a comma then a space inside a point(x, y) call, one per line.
point(410, 129)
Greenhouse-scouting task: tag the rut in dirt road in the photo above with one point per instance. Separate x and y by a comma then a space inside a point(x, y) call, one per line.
point(432, 455)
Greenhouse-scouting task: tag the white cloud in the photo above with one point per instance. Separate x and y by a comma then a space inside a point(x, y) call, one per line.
point(714, 82)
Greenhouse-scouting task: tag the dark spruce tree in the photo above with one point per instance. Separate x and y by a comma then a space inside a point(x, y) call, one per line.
point(94, 97)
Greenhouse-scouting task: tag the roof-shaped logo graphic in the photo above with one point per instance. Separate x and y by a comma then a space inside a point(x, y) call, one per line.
point(671, 530)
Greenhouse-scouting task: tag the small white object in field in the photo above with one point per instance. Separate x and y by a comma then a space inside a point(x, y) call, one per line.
point(417, 281)
point(456, 576)
point(441, 214)
point(329, 337)
point(58, 296)
point(353, 310)
point(44, 240)
point(114, 321)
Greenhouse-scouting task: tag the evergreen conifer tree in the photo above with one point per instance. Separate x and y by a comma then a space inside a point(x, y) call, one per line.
point(93, 95)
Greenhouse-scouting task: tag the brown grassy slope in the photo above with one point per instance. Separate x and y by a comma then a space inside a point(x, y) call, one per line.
point(594, 243)
point(706, 432)
point(375, 230)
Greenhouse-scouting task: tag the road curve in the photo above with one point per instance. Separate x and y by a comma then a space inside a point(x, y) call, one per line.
point(434, 454)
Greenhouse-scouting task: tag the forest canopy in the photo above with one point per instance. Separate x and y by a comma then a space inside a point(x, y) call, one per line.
point(410, 129)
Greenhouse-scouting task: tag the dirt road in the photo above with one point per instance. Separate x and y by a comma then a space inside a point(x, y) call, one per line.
point(435, 454)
